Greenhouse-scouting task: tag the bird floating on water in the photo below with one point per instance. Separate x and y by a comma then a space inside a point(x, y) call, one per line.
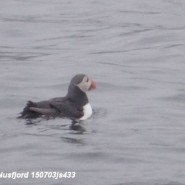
point(75, 105)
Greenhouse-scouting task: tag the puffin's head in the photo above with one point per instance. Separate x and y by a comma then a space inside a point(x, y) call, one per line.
point(83, 82)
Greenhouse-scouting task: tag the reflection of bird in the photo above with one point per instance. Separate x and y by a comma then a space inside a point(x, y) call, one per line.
point(74, 105)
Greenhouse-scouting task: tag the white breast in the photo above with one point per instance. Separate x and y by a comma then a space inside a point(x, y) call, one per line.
point(87, 109)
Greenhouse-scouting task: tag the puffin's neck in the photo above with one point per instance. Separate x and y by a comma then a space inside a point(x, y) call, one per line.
point(77, 95)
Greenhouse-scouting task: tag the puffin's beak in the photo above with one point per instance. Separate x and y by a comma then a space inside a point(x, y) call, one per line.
point(93, 85)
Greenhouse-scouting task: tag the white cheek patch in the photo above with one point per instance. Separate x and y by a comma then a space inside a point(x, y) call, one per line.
point(84, 86)
point(87, 110)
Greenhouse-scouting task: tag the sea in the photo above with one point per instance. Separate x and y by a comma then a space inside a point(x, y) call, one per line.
point(135, 52)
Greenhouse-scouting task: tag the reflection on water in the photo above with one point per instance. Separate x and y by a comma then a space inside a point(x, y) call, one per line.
point(73, 140)
point(77, 127)
point(134, 50)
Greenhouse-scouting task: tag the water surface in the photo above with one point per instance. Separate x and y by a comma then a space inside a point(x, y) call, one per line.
point(134, 50)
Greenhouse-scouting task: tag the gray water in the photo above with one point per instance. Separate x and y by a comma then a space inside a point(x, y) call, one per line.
point(134, 50)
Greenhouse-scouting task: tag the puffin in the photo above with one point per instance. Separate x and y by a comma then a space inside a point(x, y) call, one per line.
point(75, 105)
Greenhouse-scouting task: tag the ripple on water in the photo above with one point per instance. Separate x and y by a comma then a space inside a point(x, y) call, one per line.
point(162, 182)
point(99, 112)
point(176, 98)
